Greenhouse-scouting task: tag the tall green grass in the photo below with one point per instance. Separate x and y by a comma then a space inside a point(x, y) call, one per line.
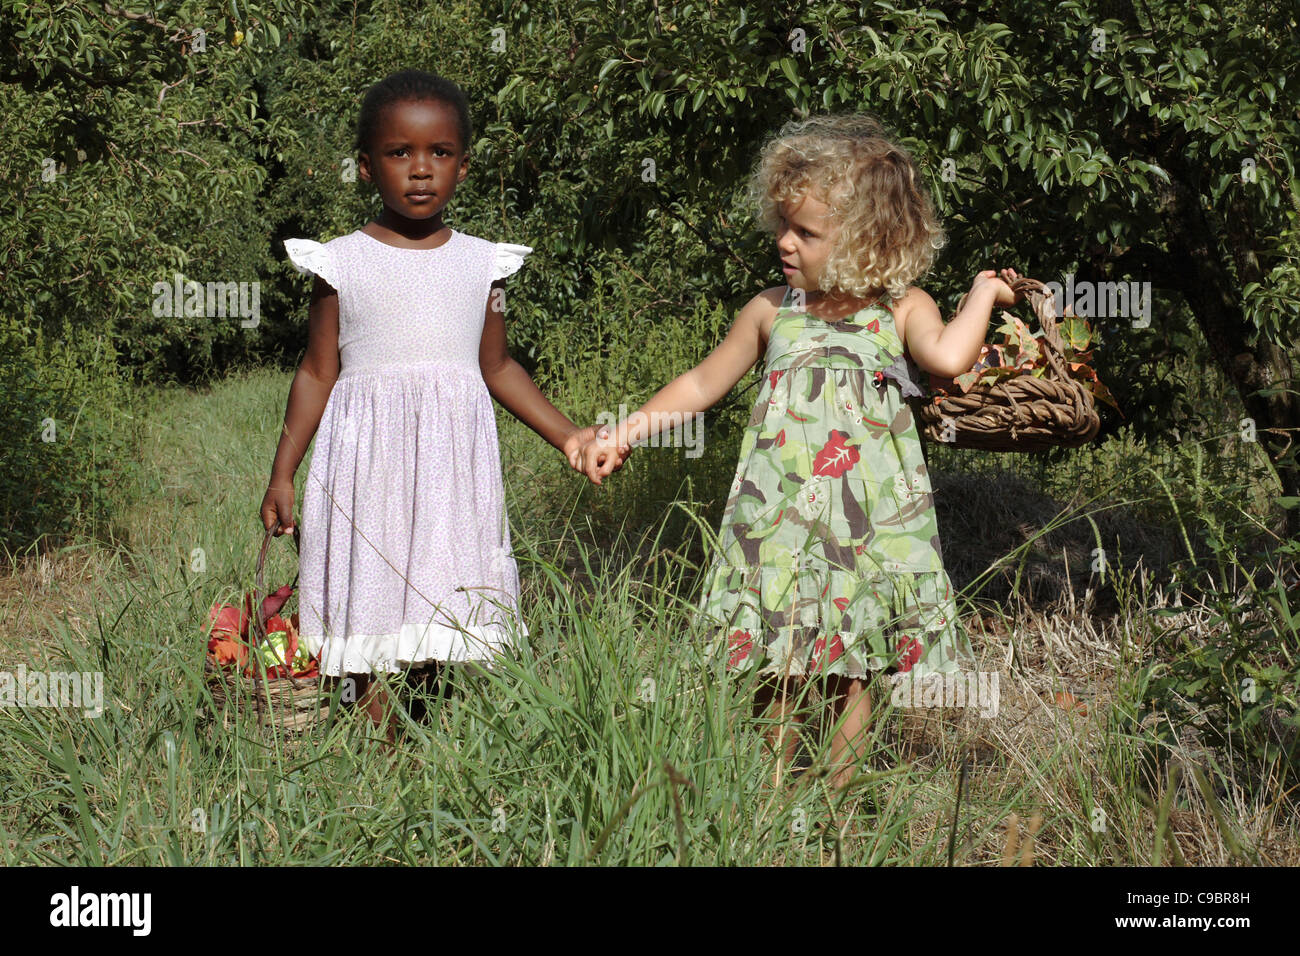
point(611, 738)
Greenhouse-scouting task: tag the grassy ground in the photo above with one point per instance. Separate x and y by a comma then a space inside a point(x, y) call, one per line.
point(611, 739)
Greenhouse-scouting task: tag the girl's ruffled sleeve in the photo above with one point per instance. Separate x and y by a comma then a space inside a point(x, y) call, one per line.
point(509, 258)
point(311, 257)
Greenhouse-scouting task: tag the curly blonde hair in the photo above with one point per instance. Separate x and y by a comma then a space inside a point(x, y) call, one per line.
point(888, 232)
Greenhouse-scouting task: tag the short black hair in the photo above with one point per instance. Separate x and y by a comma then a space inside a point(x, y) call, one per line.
point(411, 86)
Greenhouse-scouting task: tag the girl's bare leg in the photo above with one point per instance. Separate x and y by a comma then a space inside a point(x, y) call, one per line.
point(428, 686)
point(374, 699)
point(851, 710)
point(772, 701)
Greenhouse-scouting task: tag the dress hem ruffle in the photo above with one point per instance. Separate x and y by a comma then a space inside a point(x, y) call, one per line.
point(856, 616)
point(412, 646)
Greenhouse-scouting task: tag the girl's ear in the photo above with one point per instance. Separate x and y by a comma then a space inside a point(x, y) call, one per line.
point(464, 168)
point(363, 166)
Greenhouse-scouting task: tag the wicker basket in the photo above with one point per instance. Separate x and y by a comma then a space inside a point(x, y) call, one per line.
point(1021, 413)
point(292, 704)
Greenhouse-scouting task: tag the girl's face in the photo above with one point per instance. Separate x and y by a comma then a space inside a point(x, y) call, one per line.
point(418, 158)
point(804, 235)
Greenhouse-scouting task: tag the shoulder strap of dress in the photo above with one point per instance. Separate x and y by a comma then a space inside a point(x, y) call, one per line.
point(786, 304)
point(884, 301)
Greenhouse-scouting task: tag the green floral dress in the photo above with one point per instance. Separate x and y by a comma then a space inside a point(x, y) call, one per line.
point(829, 559)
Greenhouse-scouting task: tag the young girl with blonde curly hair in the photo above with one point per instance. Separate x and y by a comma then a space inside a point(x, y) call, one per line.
point(829, 563)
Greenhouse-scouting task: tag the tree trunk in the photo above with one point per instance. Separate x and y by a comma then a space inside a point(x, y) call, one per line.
point(1213, 294)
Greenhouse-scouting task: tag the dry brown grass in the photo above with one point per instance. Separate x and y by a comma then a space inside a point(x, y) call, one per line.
point(39, 591)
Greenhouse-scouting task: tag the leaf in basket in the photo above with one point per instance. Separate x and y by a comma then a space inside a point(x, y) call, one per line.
point(1008, 330)
point(226, 620)
point(1019, 341)
point(1002, 372)
point(224, 651)
point(272, 603)
point(300, 660)
point(989, 357)
point(1102, 394)
point(966, 380)
point(1032, 351)
point(280, 647)
point(1075, 332)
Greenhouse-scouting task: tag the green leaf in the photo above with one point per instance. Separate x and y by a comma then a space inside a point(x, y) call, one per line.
point(1074, 330)
point(609, 65)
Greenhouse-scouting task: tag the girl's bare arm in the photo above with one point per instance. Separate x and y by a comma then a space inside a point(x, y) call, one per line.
point(697, 390)
point(948, 350)
point(308, 394)
point(510, 384)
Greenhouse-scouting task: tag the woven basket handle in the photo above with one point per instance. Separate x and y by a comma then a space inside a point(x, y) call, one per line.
point(1044, 305)
point(259, 589)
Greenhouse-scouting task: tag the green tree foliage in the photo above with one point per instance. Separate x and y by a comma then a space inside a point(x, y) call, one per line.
point(135, 150)
point(1151, 142)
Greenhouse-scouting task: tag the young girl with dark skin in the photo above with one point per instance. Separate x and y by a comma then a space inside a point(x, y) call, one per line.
point(414, 149)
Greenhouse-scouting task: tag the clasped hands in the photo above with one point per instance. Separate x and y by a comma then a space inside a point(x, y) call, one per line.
point(593, 452)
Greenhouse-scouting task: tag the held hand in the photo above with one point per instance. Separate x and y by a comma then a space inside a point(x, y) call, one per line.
point(577, 438)
point(1001, 287)
point(600, 457)
point(582, 437)
point(277, 506)
point(573, 444)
